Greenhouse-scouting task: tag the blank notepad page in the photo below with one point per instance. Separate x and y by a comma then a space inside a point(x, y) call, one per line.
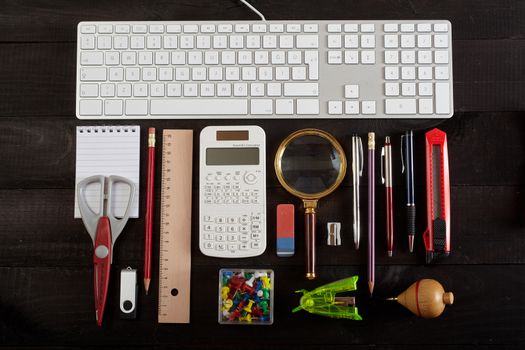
point(109, 150)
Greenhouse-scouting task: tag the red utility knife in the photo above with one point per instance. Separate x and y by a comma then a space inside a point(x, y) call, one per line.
point(437, 234)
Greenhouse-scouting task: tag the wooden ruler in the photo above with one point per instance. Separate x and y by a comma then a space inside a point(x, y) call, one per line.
point(175, 227)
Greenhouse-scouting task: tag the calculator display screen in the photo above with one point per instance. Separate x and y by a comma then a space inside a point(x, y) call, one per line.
point(232, 135)
point(232, 156)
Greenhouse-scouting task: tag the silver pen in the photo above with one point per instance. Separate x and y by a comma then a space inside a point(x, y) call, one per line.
point(357, 172)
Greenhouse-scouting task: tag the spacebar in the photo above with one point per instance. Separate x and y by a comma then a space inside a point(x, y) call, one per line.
point(199, 107)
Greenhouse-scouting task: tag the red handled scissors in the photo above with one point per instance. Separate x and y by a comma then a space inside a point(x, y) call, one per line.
point(104, 228)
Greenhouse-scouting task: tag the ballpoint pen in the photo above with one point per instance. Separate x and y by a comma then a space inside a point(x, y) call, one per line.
point(407, 161)
point(371, 211)
point(357, 172)
point(386, 177)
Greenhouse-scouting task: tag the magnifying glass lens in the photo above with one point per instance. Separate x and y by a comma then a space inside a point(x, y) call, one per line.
point(310, 164)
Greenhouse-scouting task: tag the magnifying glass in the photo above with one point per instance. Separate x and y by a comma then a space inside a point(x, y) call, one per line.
point(310, 164)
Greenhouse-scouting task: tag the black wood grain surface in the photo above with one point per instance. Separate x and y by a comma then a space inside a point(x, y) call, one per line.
point(45, 255)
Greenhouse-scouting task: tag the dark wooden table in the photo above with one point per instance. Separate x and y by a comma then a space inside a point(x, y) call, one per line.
point(45, 255)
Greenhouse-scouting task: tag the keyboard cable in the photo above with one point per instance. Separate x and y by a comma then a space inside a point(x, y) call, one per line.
point(245, 2)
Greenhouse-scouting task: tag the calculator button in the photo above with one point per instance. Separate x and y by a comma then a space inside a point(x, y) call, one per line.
point(245, 201)
point(208, 245)
point(233, 247)
point(220, 229)
point(208, 228)
point(208, 218)
point(220, 246)
point(231, 238)
point(208, 236)
point(220, 220)
point(209, 178)
point(250, 178)
point(219, 238)
point(244, 229)
point(256, 218)
point(244, 238)
point(256, 236)
point(243, 246)
point(232, 220)
point(244, 220)
point(256, 228)
point(256, 245)
point(232, 228)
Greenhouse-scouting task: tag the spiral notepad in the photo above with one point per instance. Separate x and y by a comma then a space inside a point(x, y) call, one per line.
point(109, 150)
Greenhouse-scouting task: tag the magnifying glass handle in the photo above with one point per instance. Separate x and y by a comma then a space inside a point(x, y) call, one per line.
point(309, 227)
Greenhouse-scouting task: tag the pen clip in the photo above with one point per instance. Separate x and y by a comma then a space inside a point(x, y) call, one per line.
point(402, 152)
point(361, 157)
point(382, 162)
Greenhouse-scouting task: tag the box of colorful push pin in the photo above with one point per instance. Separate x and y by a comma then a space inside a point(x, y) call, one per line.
point(246, 296)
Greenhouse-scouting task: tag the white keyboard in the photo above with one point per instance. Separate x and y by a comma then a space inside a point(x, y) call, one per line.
point(273, 69)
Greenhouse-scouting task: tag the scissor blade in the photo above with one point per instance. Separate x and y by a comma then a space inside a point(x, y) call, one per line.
point(102, 266)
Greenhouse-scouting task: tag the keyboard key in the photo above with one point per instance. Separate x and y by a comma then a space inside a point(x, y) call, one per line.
point(307, 107)
point(137, 42)
point(91, 58)
point(368, 107)
point(242, 28)
point(408, 89)
point(335, 57)
point(189, 28)
point(173, 28)
point(391, 73)
point(442, 91)
point(441, 27)
point(424, 57)
point(391, 41)
point(269, 41)
point(93, 74)
point(208, 28)
point(88, 29)
point(276, 28)
point(390, 27)
point(351, 28)
point(87, 42)
point(408, 57)
point(424, 27)
point(286, 41)
point(407, 27)
point(368, 28)
point(334, 41)
point(104, 42)
point(351, 91)
point(334, 28)
point(259, 28)
point(113, 107)
point(441, 73)
point(408, 73)
point(225, 28)
point(257, 90)
point(293, 28)
point(88, 90)
point(140, 28)
point(174, 90)
point(424, 41)
point(136, 107)
point(391, 89)
point(308, 41)
point(425, 89)
point(400, 106)
point(408, 41)
point(441, 41)
point(301, 89)
point(294, 57)
point(368, 57)
point(284, 106)
point(425, 106)
point(90, 107)
point(273, 89)
point(156, 28)
point(424, 73)
point(391, 57)
point(351, 57)
point(107, 90)
point(311, 28)
point(368, 41)
point(253, 42)
point(311, 58)
point(440, 56)
point(298, 73)
point(335, 107)
point(351, 41)
point(203, 41)
point(203, 107)
point(351, 107)
point(140, 90)
point(282, 73)
point(261, 106)
point(105, 28)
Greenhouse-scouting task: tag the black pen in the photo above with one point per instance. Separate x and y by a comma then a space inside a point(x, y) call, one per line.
point(407, 160)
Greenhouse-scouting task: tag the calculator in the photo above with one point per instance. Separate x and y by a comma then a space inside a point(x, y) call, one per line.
point(232, 191)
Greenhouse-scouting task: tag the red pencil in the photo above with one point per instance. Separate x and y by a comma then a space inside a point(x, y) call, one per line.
point(149, 208)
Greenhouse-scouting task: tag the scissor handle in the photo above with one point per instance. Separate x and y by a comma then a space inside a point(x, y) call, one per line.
point(89, 216)
point(117, 225)
point(102, 257)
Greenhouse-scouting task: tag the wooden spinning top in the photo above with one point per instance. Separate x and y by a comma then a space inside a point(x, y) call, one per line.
point(425, 298)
